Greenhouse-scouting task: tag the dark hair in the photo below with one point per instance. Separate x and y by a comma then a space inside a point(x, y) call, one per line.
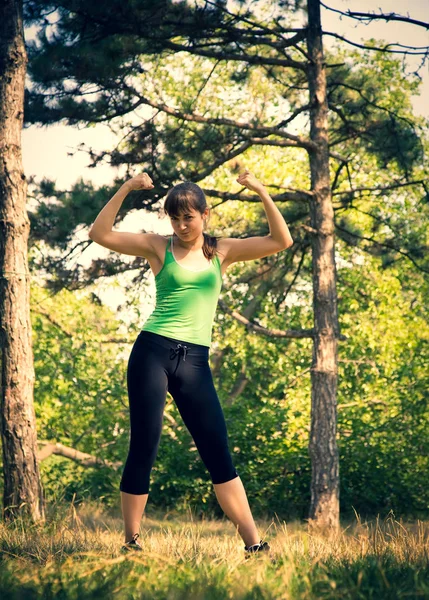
point(185, 196)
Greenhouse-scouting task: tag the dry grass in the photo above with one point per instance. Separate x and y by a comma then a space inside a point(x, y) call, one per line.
point(76, 555)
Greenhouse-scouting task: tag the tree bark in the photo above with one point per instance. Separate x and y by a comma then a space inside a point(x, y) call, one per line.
point(82, 458)
point(324, 507)
point(22, 486)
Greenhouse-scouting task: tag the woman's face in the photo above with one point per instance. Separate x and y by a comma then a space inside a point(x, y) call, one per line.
point(189, 225)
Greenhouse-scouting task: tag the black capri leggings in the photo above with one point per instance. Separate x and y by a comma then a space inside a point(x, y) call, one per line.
point(158, 364)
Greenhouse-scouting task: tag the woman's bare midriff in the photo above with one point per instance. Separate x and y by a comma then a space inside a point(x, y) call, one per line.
point(157, 262)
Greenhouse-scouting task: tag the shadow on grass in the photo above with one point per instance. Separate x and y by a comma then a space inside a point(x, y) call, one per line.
point(370, 577)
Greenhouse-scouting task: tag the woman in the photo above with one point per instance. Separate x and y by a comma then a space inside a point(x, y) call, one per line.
point(171, 352)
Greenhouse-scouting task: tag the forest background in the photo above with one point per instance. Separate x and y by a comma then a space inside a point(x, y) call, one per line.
point(82, 337)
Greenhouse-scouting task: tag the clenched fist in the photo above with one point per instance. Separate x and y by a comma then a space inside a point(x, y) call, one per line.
point(140, 182)
point(249, 180)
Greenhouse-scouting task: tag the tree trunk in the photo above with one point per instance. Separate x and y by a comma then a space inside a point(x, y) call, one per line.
point(324, 508)
point(22, 486)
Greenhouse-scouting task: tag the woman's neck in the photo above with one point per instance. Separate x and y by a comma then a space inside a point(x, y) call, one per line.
point(192, 245)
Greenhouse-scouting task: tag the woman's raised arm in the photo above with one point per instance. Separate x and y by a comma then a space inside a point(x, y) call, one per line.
point(134, 244)
point(251, 248)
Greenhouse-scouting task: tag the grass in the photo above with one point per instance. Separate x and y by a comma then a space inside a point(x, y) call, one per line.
point(75, 555)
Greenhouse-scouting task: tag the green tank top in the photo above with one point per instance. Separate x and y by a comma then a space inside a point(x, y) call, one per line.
point(186, 300)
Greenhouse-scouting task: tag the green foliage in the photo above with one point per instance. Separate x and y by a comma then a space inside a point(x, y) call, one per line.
point(264, 386)
point(263, 382)
point(382, 395)
point(80, 394)
point(371, 110)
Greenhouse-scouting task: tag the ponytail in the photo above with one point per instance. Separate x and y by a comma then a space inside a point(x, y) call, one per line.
point(210, 246)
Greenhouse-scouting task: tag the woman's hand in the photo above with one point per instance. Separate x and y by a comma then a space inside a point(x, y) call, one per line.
point(249, 180)
point(140, 182)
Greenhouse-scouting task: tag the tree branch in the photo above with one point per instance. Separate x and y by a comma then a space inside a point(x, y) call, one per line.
point(87, 460)
point(239, 386)
point(54, 322)
point(370, 103)
point(280, 30)
point(298, 141)
point(384, 49)
point(255, 328)
point(380, 189)
point(251, 59)
point(294, 196)
point(278, 143)
point(359, 16)
point(383, 245)
point(297, 272)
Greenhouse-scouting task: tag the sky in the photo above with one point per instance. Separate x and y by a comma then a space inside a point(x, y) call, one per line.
point(53, 151)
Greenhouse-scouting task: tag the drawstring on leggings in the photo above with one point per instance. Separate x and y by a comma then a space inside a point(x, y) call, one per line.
point(177, 351)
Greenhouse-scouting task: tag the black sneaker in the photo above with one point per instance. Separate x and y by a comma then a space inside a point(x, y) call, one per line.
point(132, 545)
point(261, 547)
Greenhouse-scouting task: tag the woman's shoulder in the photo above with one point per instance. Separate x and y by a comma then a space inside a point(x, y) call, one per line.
point(160, 243)
point(157, 237)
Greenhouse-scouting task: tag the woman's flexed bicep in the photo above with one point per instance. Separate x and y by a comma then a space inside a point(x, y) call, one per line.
point(133, 244)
